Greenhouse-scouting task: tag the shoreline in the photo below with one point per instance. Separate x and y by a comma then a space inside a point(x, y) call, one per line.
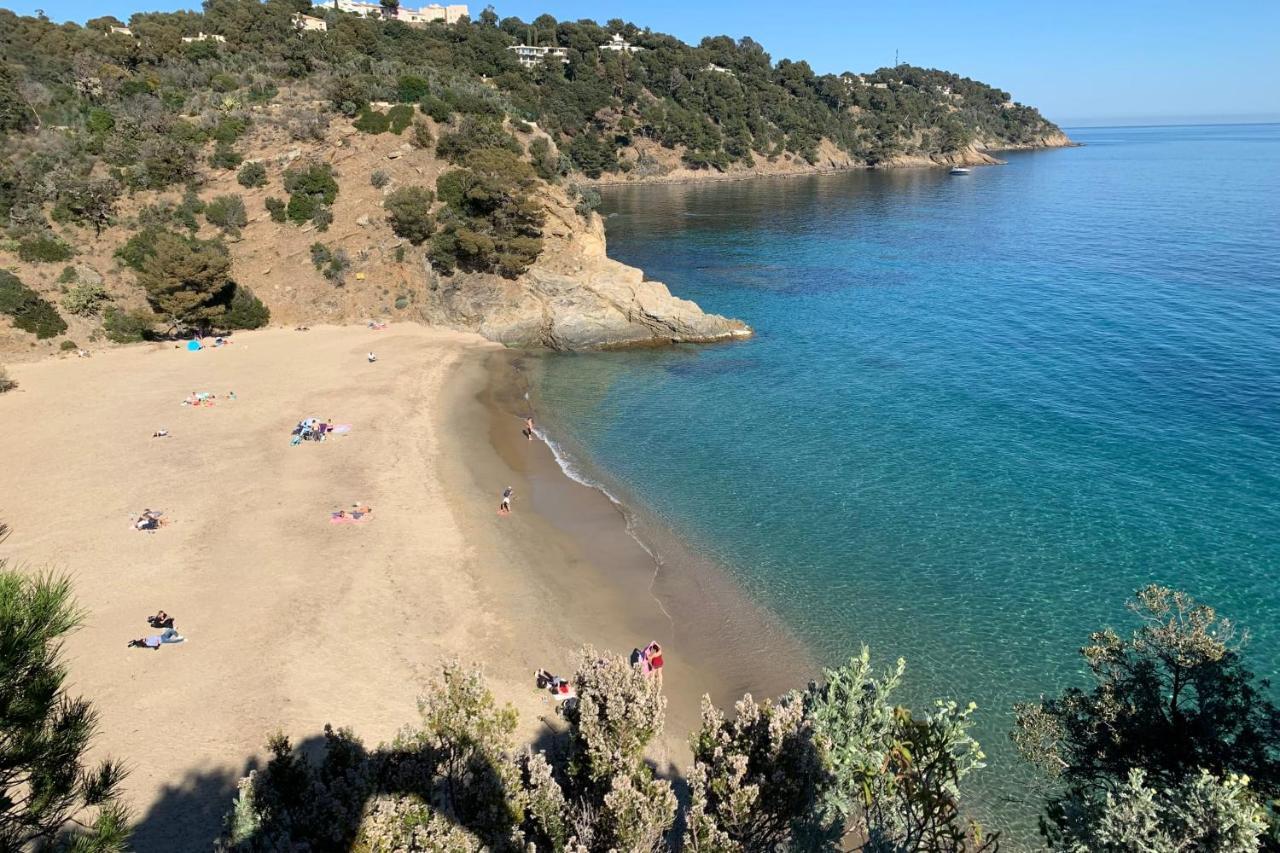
point(621, 586)
point(905, 162)
point(292, 623)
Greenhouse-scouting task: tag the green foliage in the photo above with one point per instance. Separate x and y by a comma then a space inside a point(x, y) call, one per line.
point(592, 155)
point(473, 134)
point(252, 174)
point(379, 179)
point(187, 281)
point(43, 248)
point(86, 201)
point(399, 117)
point(227, 212)
point(409, 212)
point(1201, 812)
point(68, 346)
point(411, 88)
point(1170, 701)
point(225, 157)
point(30, 311)
point(311, 188)
point(85, 300)
point(67, 275)
point(333, 264)
point(422, 136)
point(126, 327)
point(164, 161)
point(246, 311)
point(438, 108)
point(138, 248)
point(588, 199)
point(545, 162)
point(44, 781)
point(277, 208)
point(372, 121)
point(491, 223)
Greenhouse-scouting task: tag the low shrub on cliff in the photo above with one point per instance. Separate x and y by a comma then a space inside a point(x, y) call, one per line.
point(6, 384)
point(252, 174)
point(227, 212)
point(126, 327)
point(44, 248)
point(85, 300)
point(29, 310)
point(246, 311)
point(409, 212)
point(311, 188)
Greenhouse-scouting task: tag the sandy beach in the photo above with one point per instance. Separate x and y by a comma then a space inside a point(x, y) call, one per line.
point(293, 622)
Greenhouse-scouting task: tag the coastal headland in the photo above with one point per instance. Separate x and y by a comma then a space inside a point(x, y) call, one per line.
point(293, 622)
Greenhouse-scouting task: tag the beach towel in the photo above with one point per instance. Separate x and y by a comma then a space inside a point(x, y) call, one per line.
point(361, 518)
point(340, 428)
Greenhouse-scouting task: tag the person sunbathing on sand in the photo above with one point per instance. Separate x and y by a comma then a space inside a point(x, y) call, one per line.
point(148, 521)
point(156, 640)
point(160, 620)
point(160, 433)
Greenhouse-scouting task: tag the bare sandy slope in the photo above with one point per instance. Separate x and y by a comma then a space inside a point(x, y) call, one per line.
point(291, 622)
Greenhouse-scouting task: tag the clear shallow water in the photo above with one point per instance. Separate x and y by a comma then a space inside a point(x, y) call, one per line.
point(979, 411)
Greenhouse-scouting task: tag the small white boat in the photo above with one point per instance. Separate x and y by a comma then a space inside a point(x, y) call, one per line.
point(959, 170)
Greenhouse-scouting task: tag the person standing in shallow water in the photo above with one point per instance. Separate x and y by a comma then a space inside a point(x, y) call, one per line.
point(528, 428)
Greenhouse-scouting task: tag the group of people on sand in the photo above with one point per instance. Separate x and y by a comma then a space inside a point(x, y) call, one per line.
point(358, 513)
point(204, 398)
point(162, 622)
point(149, 521)
point(648, 660)
point(311, 429)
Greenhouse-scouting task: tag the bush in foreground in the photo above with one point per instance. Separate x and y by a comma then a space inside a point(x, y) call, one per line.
point(44, 780)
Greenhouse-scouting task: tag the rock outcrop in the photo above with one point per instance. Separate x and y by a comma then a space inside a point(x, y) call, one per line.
point(574, 297)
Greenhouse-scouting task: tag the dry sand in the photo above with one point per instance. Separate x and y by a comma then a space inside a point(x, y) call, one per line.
point(292, 622)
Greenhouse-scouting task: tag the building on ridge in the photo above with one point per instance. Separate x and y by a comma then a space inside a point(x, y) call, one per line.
point(433, 13)
point(530, 55)
point(203, 36)
point(618, 44)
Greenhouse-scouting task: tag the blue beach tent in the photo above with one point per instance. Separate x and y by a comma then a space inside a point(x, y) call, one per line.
point(194, 345)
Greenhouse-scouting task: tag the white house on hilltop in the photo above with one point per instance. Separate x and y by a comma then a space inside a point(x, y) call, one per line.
point(124, 31)
point(431, 13)
point(620, 45)
point(529, 55)
point(203, 36)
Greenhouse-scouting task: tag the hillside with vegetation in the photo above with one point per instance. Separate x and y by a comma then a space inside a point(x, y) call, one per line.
point(160, 179)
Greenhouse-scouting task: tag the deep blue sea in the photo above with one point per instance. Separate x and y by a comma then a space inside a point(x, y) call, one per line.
point(978, 412)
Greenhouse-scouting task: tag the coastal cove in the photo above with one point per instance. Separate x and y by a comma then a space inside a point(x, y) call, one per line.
point(977, 413)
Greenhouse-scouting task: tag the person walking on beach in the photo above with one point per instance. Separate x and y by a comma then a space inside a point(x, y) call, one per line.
point(504, 508)
point(528, 427)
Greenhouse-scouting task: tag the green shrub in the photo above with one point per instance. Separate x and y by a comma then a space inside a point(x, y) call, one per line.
point(252, 174)
point(30, 312)
point(333, 264)
point(223, 83)
point(229, 129)
point(227, 212)
point(302, 208)
point(67, 275)
point(323, 218)
point(435, 107)
point(320, 255)
point(409, 211)
point(68, 346)
point(246, 311)
point(138, 248)
point(411, 88)
point(6, 384)
point(399, 117)
point(126, 327)
point(277, 208)
point(588, 199)
point(85, 300)
point(473, 134)
point(399, 254)
point(225, 157)
point(262, 93)
point(422, 137)
point(44, 248)
point(310, 189)
point(379, 178)
point(545, 163)
point(372, 121)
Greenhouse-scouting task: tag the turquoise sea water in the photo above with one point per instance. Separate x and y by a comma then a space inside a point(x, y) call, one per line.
point(979, 411)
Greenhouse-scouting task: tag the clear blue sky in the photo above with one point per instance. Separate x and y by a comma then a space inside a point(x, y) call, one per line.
point(1121, 61)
